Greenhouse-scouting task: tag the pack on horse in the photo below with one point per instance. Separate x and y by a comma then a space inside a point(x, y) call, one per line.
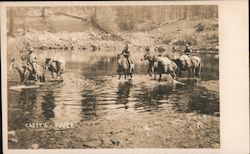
point(55, 66)
point(160, 65)
point(164, 65)
point(189, 63)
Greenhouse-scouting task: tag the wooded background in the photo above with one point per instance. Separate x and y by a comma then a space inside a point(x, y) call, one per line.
point(113, 18)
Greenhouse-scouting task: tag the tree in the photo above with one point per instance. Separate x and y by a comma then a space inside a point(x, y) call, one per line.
point(43, 13)
point(12, 21)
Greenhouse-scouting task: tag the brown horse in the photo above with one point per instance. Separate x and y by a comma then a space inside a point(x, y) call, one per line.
point(123, 66)
point(190, 64)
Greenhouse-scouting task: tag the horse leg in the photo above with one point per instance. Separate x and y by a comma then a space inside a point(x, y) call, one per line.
point(179, 74)
point(22, 78)
point(155, 74)
point(173, 75)
point(25, 77)
point(189, 72)
point(159, 77)
point(52, 74)
point(149, 72)
point(198, 71)
point(22, 75)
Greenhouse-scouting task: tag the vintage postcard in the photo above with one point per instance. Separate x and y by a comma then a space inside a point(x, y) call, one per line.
point(125, 77)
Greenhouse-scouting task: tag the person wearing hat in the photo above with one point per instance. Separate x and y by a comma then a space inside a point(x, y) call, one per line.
point(187, 50)
point(29, 60)
point(126, 53)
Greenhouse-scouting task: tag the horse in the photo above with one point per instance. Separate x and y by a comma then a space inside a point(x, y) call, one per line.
point(55, 66)
point(163, 65)
point(123, 66)
point(190, 64)
point(151, 61)
point(160, 65)
point(26, 73)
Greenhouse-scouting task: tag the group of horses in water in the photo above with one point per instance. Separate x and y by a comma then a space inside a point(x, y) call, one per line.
point(37, 72)
point(159, 65)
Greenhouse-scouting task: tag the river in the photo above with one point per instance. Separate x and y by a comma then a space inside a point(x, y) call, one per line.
point(90, 90)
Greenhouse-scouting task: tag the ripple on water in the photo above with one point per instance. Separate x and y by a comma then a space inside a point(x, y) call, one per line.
point(80, 98)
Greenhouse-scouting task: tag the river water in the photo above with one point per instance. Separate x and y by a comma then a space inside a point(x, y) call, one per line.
point(90, 90)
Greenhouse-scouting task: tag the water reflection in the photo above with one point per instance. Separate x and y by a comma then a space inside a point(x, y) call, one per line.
point(48, 105)
point(89, 90)
point(68, 99)
point(28, 99)
point(22, 108)
point(123, 93)
point(151, 98)
point(203, 101)
point(89, 105)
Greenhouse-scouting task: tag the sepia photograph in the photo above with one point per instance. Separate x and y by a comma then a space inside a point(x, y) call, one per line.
point(113, 76)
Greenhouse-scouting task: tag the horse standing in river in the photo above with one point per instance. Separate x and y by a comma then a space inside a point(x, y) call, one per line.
point(27, 74)
point(55, 66)
point(123, 66)
point(190, 64)
point(160, 65)
point(151, 61)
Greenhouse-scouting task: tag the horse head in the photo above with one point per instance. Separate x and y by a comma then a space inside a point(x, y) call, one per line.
point(50, 64)
point(47, 63)
point(146, 56)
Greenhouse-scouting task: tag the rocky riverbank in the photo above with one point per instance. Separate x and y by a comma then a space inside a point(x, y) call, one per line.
point(202, 35)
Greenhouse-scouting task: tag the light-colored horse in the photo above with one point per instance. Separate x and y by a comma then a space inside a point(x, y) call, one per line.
point(123, 66)
point(164, 65)
point(26, 73)
point(190, 64)
point(160, 65)
point(55, 66)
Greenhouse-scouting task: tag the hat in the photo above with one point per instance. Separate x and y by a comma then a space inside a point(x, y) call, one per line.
point(147, 49)
point(30, 49)
point(187, 45)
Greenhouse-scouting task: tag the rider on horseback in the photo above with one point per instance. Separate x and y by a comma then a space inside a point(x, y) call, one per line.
point(29, 60)
point(187, 50)
point(126, 54)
